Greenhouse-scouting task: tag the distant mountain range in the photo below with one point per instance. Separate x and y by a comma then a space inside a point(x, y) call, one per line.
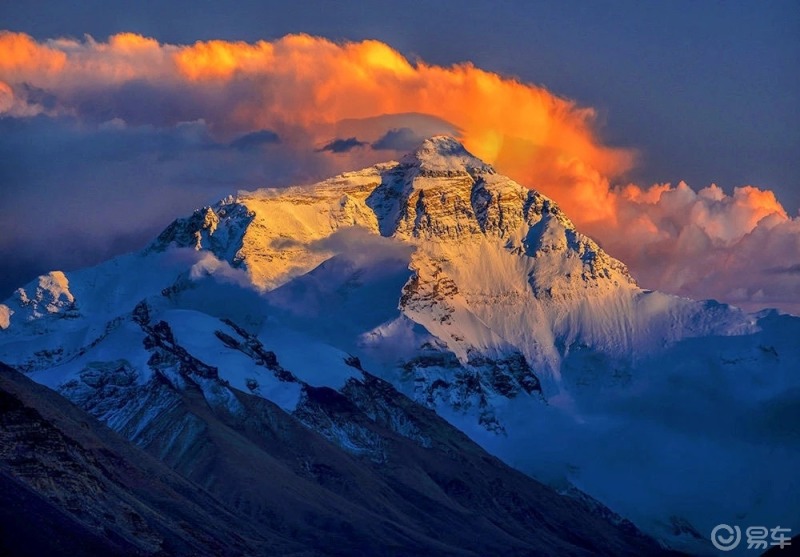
point(328, 370)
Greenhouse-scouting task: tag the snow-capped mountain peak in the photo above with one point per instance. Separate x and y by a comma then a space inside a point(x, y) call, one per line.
point(439, 193)
point(48, 295)
point(470, 293)
point(442, 155)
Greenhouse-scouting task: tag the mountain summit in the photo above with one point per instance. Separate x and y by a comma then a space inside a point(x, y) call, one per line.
point(440, 193)
point(437, 279)
point(441, 154)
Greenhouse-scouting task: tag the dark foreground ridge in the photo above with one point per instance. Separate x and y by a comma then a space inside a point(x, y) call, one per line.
point(264, 484)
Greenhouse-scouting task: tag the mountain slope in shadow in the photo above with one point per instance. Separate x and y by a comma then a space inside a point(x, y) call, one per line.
point(262, 483)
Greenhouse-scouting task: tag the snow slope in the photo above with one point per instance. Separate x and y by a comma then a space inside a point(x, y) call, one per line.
point(478, 298)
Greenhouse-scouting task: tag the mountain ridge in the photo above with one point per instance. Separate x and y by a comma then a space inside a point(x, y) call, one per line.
point(257, 465)
point(470, 294)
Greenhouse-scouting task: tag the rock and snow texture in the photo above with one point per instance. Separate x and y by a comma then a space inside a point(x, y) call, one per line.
point(470, 293)
point(49, 294)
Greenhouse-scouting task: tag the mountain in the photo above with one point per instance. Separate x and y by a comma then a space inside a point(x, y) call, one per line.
point(71, 486)
point(257, 482)
point(368, 304)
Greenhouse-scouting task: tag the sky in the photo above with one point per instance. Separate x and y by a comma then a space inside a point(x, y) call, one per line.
point(624, 112)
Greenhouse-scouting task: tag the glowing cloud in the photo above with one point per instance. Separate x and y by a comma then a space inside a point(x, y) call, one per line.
point(739, 248)
point(309, 93)
point(298, 84)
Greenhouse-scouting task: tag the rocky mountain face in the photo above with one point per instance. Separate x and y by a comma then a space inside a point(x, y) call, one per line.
point(382, 311)
point(71, 486)
point(246, 478)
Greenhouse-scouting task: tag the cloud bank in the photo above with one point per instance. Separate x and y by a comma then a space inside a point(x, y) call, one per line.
point(216, 115)
point(741, 248)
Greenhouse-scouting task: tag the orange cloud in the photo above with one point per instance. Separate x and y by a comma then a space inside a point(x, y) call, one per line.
point(22, 56)
point(308, 88)
point(307, 82)
point(741, 248)
point(221, 59)
point(131, 42)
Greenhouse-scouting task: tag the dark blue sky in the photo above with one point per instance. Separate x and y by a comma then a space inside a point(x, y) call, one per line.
point(708, 91)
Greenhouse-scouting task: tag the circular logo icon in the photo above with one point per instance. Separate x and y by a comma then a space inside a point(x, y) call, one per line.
point(726, 538)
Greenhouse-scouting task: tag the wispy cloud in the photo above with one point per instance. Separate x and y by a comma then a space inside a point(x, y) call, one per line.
point(254, 140)
point(790, 270)
point(398, 139)
point(342, 145)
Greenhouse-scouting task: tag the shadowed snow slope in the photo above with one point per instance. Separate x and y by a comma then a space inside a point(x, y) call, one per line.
point(474, 296)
